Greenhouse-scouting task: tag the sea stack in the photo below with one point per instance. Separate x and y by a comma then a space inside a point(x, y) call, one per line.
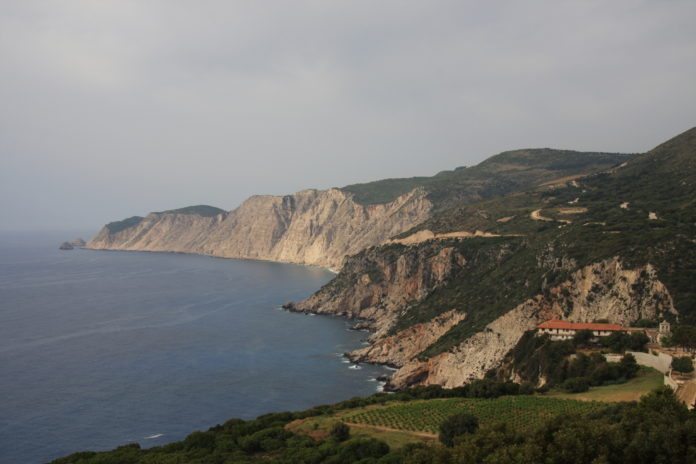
point(66, 246)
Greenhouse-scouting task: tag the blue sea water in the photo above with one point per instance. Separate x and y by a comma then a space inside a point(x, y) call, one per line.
point(100, 348)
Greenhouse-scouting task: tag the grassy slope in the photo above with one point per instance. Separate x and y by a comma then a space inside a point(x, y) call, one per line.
point(399, 423)
point(200, 210)
point(645, 381)
point(118, 226)
point(500, 174)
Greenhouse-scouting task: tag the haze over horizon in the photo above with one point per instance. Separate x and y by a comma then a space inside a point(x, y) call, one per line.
point(117, 108)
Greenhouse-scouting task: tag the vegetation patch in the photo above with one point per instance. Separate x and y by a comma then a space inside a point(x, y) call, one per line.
point(118, 226)
point(519, 412)
point(199, 210)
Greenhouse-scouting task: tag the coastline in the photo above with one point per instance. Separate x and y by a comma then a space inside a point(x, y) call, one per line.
point(317, 266)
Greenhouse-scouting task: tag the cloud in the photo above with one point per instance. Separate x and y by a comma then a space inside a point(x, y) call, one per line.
point(120, 107)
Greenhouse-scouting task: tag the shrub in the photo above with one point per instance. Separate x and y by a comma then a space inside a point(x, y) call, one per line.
point(629, 366)
point(340, 431)
point(200, 440)
point(457, 425)
point(576, 385)
point(582, 337)
point(357, 449)
point(637, 341)
point(683, 364)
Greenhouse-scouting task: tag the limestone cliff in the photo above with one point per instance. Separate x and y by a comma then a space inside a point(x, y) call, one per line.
point(315, 227)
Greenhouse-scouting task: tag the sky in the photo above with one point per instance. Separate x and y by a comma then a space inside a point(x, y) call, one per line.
point(110, 109)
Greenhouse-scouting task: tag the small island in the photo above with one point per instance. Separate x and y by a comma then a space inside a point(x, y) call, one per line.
point(72, 244)
point(78, 242)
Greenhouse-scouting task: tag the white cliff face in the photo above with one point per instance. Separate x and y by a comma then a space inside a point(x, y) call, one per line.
point(315, 227)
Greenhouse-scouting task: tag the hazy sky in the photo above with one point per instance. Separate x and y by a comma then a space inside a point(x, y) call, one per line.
point(115, 108)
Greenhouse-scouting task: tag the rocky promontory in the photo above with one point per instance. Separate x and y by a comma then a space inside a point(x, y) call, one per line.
point(314, 227)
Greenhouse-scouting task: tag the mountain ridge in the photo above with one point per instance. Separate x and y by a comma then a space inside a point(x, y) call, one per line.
point(322, 227)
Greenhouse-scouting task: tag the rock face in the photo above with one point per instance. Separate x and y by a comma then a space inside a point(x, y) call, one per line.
point(315, 227)
point(399, 349)
point(380, 284)
point(603, 290)
point(376, 285)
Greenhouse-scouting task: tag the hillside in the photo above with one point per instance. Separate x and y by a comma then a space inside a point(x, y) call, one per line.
point(400, 429)
point(322, 227)
point(506, 172)
point(617, 245)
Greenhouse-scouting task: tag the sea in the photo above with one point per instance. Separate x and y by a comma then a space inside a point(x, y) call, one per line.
point(104, 348)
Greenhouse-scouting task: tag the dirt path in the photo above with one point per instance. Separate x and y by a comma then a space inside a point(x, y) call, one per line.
point(687, 393)
point(425, 235)
point(536, 216)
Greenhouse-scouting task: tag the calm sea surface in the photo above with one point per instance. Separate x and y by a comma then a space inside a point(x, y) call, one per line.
point(100, 348)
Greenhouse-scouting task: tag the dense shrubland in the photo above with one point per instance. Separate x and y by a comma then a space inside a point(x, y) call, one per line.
point(540, 360)
point(658, 429)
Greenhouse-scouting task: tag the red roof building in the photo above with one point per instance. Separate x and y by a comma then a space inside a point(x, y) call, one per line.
point(564, 330)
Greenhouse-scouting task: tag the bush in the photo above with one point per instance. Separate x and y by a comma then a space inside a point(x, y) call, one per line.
point(457, 425)
point(576, 385)
point(637, 341)
point(685, 336)
point(582, 337)
point(629, 366)
point(358, 449)
point(340, 431)
point(683, 364)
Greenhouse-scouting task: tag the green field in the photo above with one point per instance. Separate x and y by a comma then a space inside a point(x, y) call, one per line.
point(426, 416)
point(644, 382)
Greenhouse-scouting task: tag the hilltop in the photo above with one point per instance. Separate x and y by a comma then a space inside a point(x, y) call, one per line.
point(503, 173)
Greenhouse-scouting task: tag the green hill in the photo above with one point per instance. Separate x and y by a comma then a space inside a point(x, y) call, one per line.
point(500, 174)
point(200, 210)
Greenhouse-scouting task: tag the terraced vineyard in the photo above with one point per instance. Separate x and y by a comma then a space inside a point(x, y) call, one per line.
point(426, 416)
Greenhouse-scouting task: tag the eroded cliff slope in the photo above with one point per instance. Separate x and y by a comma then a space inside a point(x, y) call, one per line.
point(316, 227)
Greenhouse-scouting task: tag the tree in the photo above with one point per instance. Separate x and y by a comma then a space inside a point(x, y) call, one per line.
point(637, 341)
point(629, 366)
point(340, 431)
point(576, 385)
point(685, 336)
point(583, 337)
point(683, 364)
point(457, 425)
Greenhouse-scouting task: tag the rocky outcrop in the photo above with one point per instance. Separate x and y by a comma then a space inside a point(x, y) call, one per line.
point(315, 227)
point(65, 246)
point(405, 345)
point(78, 242)
point(377, 284)
point(603, 290)
point(479, 353)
